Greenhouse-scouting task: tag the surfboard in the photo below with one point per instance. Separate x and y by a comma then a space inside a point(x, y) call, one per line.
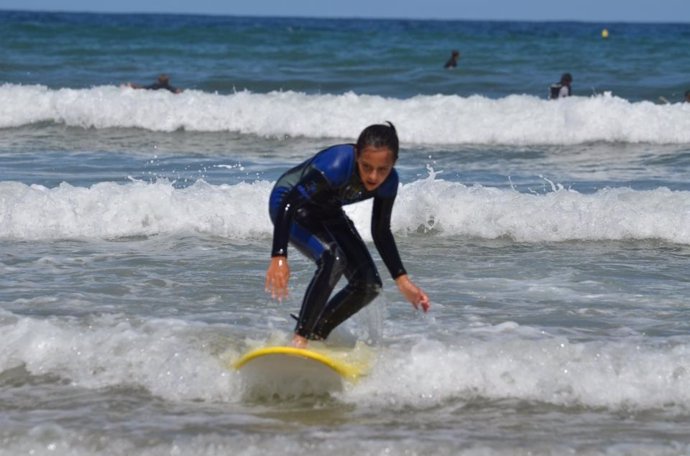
point(285, 371)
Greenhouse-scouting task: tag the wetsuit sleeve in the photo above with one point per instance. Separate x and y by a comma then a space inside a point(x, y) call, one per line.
point(383, 237)
point(301, 193)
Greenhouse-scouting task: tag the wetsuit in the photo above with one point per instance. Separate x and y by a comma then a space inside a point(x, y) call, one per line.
point(161, 85)
point(306, 207)
point(559, 90)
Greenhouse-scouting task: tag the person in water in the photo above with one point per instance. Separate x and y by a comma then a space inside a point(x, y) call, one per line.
point(306, 208)
point(561, 89)
point(163, 82)
point(453, 60)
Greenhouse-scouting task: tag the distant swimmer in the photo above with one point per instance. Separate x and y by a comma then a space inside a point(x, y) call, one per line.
point(561, 89)
point(686, 98)
point(163, 82)
point(453, 60)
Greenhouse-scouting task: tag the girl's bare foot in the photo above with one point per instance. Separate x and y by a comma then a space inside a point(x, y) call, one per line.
point(299, 341)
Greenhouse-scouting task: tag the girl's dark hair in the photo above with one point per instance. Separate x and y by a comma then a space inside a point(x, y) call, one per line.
point(379, 135)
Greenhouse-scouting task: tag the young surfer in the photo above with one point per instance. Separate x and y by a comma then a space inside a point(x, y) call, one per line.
point(306, 207)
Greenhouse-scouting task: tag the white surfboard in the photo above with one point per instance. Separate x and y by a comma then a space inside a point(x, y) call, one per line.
point(294, 372)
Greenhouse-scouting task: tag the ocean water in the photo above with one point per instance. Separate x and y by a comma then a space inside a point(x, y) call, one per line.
point(553, 237)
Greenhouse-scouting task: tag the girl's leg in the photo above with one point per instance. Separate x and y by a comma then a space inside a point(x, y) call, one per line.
point(316, 243)
point(364, 283)
point(337, 248)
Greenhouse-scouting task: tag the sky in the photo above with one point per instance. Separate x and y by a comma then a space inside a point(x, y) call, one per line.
point(535, 10)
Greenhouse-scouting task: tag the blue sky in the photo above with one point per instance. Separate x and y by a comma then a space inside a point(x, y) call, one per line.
point(579, 10)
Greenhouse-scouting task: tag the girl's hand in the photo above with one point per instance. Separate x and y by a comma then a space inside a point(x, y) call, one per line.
point(277, 277)
point(413, 293)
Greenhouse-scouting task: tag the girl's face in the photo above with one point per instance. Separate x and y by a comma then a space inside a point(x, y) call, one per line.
point(375, 165)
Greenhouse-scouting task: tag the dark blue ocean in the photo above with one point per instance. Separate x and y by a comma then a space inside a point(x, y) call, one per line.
point(390, 58)
point(553, 237)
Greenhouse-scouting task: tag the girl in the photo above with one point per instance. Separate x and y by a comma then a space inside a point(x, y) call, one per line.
point(306, 207)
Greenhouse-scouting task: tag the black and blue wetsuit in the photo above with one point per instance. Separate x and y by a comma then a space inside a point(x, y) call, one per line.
point(306, 207)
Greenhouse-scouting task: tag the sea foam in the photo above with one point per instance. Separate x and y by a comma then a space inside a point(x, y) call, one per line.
point(429, 206)
point(512, 365)
point(422, 119)
point(172, 359)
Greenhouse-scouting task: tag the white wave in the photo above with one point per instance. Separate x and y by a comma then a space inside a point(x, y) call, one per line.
point(507, 364)
point(437, 207)
point(173, 360)
point(166, 357)
point(438, 119)
point(109, 210)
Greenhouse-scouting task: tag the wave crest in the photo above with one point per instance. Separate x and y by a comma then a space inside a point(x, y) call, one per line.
point(423, 119)
point(429, 206)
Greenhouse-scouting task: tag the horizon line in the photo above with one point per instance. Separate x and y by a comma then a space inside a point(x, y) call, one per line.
point(341, 17)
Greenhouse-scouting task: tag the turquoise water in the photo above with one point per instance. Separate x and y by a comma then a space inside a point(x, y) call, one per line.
point(551, 236)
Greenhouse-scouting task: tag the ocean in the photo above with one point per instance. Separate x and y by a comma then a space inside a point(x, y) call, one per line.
point(553, 237)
